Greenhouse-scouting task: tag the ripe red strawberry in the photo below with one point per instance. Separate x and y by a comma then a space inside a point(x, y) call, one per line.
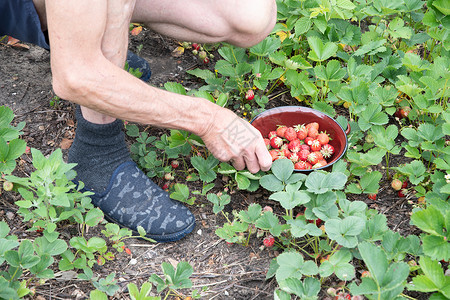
point(165, 186)
point(365, 274)
point(327, 150)
point(269, 241)
point(268, 208)
point(294, 145)
point(313, 125)
point(249, 95)
point(313, 132)
point(312, 158)
point(323, 138)
point(319, 155)
point(293, 156)
point(27, 150)
point(402, 193)
point(290, 134)
point(274, 154)
point(206, 61)
point(196, 46)
point(305, 147)
point(319, 164)
point(267, 142)
point(315, 145)
point(308, 140)
point(174, 164)
point(303, 155)
point(302, 133)
point(276, 142)
point(317, 221)
point(396, 184)
point(403, 112)
point(372, 196)
point(281, 130)
point(272, 134)
point(323, 162)
point(286, 151)
point(405, 184)
point(301, 165)
point(299, 127)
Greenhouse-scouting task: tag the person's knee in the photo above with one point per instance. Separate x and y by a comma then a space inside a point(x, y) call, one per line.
point(253, 21)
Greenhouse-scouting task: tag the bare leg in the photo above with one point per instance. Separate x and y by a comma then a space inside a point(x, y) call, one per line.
point(240, 22)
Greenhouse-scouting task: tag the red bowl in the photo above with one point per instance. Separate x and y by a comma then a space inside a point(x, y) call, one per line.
point(292, 115)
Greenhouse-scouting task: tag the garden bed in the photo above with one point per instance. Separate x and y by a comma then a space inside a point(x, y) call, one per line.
point(222, 267)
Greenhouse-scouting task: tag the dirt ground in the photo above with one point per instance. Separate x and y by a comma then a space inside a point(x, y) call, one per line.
point(228, 271)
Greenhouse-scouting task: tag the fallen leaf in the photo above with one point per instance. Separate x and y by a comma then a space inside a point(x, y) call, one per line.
point(65, 143)
point(178, 51)
point(173, 262)
point(136, 30)
point(15, 43)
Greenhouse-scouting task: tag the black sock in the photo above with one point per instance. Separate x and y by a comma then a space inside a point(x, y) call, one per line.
point(98, 149)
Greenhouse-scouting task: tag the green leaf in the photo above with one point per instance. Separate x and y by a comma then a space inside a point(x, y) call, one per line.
point(242, 181)
point(291, 264)
point(16, 149)
point(443, 6)
point(218, 201)
point(370, 182)
point(267, 46)
point(175, 87)
point(93, 217)
point(371, 48)
point(415, 63)
point(319, 50)
point(271, 183)
point(205, 167)
point(282, 169)
point(375, 260)
point(302, 25)
point(97, 295)
point(268, 221)
point(429, 220)
point(433, 279)
point(332, 72)
point(320, 183)
point(372, 115)
point(344, 231)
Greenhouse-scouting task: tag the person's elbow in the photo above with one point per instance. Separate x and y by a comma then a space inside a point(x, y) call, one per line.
point(254, 25)
point(67, 84)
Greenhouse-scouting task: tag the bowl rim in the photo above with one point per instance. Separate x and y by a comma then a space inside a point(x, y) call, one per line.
point(293, 108)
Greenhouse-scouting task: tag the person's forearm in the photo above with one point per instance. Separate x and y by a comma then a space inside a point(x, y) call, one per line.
point(115, 92)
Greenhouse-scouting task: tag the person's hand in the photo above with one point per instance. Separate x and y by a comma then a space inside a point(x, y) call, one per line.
point(230, 138)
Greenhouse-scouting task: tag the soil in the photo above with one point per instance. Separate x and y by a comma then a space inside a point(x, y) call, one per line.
point(227, 271)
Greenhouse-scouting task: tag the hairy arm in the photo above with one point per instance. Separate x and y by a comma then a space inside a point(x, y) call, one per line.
point(87, 71)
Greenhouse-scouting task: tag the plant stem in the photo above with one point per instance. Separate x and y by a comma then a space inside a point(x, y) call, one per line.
point(387, 166)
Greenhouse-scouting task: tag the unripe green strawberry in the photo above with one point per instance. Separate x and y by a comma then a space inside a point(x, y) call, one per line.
point(396, 184)
point(202, 54)
point(8, 186)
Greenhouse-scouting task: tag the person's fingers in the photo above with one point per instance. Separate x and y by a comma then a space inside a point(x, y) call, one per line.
point(252, 163)
point(264, 158)
point(238, 163)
